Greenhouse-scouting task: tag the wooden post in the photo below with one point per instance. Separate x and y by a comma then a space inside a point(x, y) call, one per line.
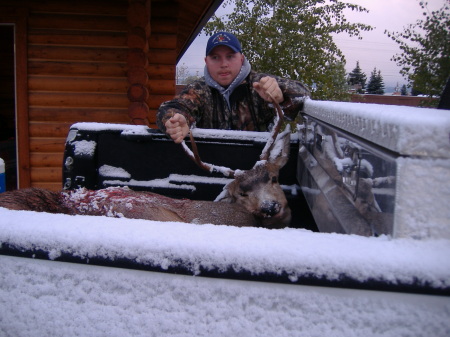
point(138, 17)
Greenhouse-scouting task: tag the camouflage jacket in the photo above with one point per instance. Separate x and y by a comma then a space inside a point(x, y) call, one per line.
point(205, 106)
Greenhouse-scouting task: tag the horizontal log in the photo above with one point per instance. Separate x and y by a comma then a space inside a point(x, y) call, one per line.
point(154, 101)
point(48, 129)
point(137, 75)
point(161, 71)
point(77, 99)
point(108, 7)
point(76, 68)
point(162, 41)
point(137, 38)
point(138, 14)
point(47, 144)
point(77, 38)
point(80, 21)
point(79, 114)
point(161, 87)
point(139, 121)
point(46, 175)
point(152, 119)
point(77, 84)
point(78, 53)
point(53, 159)
point(164, 9)
point(138, 110)
point(52, 186)
point(164, 25)
point(137, 58)
point(162, 56)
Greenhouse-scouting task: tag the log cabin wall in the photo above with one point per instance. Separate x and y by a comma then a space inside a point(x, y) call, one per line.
point(83, 62)
point(77, 54)
point(162, 56)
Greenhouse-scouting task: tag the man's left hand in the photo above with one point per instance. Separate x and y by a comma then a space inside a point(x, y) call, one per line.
point(268, 89)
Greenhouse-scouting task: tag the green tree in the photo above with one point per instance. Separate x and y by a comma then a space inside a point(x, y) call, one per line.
point(293, 39)
point(404, 91)
point(191, 79)
point(357, 79)
point(376, 83)
point(425, 46)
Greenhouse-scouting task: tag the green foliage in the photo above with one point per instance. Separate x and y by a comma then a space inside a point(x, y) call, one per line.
point(425, 45)
point(376, 83)
point(404, 91)
point(293, 39)
point(357, 79)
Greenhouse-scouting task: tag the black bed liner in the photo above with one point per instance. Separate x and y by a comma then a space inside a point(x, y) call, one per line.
point(151, 156)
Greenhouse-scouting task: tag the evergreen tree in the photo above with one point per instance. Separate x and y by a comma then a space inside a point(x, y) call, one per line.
point(357, 79)
point(376, 83)
point(381, 82)
point(404, 91)
point(293, 39)
point(416, 92)
point(425, 56)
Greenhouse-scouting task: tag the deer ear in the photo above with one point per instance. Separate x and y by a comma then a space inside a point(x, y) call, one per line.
point(226, 195)
point(281, 150)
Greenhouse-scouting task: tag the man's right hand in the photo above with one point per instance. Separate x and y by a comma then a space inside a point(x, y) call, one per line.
point(177, 128)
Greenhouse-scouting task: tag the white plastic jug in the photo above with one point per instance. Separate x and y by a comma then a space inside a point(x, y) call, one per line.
point(2, 176)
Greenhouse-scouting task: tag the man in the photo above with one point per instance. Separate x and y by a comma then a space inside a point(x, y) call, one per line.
point(231, 96)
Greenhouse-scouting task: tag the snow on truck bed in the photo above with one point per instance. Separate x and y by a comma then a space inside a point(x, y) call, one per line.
point(48, 298)
point(404, 130)
point(295, 252)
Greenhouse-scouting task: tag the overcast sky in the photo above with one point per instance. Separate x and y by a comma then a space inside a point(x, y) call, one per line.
point(374, 50)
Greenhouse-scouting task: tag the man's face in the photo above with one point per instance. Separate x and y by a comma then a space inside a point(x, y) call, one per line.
point(224, 64)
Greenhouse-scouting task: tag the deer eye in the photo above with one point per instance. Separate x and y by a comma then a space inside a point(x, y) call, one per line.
point(243, 194)
point(274, 179)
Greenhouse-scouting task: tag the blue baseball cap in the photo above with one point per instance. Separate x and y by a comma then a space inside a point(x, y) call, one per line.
point(223, 39)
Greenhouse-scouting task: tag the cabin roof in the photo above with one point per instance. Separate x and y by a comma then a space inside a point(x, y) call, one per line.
point(193, 16)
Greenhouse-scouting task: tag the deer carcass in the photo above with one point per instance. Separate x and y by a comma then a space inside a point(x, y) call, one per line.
point(253, 198)
point(124, 202)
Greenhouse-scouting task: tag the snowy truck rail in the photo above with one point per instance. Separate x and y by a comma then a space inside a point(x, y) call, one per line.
point(84, 275)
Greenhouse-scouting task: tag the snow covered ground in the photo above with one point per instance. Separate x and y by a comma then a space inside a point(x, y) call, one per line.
point(49, 298)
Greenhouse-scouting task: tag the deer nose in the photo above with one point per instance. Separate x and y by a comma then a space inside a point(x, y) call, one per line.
point(270, 208)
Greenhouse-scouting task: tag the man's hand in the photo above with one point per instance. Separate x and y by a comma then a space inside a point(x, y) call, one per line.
point(177, 128)
point(268, 87)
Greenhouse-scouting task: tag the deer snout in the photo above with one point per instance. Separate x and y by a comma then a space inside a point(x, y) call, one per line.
point(270, 208)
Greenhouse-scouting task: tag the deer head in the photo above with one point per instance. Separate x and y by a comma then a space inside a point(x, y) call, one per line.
point(258, 189)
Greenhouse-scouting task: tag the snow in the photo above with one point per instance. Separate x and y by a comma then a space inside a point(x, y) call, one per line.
point(422, 198)
point(111, 171)
point(49, 298)
point(419, 139)
point(197, 132)
point(54, 298)
point(256, 250)
point(84, 148)
point(404, 130)
point(175, 181)
point(127, 129)
point(45, 298)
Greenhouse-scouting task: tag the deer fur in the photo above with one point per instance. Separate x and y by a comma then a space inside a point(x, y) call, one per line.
point(123, 202)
